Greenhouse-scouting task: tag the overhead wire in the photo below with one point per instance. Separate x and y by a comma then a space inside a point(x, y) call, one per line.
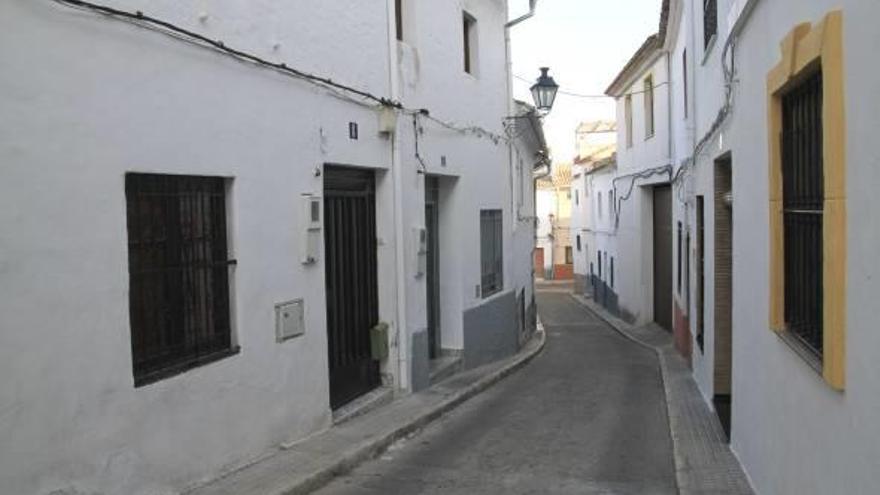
point(345, 91)
point(583, 95)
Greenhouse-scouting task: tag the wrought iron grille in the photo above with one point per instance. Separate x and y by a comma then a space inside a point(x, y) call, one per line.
point(351, 281)
point(803, 197)
point(178, 271)
point(491, 252)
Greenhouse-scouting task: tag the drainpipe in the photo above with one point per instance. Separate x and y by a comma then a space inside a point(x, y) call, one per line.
point(532, 5)
point(397, 179)
point(511, 107)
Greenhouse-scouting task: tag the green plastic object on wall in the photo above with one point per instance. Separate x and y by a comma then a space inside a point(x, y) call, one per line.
point(379, 341)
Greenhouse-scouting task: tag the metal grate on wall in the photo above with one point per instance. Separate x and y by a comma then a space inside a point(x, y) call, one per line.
point(178, 272)
point(803, 197)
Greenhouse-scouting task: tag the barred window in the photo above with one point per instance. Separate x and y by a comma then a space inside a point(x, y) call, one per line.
point(649, 106)
point(803, 201)
point(178, 273)
point(469, 25)
point(628, 118)
point(491, 252)
point(611, 271)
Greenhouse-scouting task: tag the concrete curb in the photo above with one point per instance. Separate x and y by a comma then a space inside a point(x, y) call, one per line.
point(703, 463)
point(619, 327)
point(372, 448)
point(341, 461)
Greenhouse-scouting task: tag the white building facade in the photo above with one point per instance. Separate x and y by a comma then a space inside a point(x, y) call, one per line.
point(200, 251)
point(782, 334)
point(596, 142)
point(641, 198)
point(771, 237)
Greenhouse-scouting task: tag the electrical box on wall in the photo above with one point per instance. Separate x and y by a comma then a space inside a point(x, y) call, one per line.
point(387, 121)
point(420, 238)
point(313, 222)
point(289, 320)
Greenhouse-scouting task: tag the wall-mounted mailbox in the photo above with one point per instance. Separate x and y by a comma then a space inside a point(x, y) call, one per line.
point(379, 341)
point(289, 320)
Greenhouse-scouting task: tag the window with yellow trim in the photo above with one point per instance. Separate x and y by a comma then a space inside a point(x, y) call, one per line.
point(807, 135)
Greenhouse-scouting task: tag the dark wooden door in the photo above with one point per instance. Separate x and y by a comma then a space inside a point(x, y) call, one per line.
point(432, 277)
point(663, 256)
point(351, 285)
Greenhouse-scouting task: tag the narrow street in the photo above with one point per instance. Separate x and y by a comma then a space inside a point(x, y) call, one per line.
point(586, 416)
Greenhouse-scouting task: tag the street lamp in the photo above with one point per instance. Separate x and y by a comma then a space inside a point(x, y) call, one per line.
point(544, 91)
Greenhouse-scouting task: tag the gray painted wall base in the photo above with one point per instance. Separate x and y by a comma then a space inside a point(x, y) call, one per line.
point(605, 295)
point(490, 331)
point(420, 361)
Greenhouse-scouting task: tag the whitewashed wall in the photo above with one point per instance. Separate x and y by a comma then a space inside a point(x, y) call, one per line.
point(793, 433)
point(87, 99)
point(580, 208)
point(431, 75)
point(600, 225)
point(634, 235)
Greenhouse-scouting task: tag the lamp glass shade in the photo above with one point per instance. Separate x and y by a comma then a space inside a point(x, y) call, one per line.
point(544, 91)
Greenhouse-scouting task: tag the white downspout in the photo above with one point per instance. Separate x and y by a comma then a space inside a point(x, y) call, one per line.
point(397, 179)
point(532, 5)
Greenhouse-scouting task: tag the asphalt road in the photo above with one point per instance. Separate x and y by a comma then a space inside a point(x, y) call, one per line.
point(587, 416)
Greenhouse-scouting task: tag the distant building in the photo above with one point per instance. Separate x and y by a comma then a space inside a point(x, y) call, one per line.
point(554, 257)
point(596, 143)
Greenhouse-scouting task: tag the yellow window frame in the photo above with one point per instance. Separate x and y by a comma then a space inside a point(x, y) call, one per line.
point(803, 49)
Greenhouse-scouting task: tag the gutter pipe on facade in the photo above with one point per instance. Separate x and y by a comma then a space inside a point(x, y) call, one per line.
point(531, 13)
point(402, 338)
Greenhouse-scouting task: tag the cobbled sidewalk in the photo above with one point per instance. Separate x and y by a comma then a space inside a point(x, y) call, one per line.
point(704, 463)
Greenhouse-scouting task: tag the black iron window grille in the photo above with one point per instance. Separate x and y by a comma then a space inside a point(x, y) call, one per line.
point(398, 19)
point(491, 252)
point(178, 273)
point(469, 25)
point(611, 271)
point(701, 271)
point(802, 198)
point(710, 21)
point(649, 106)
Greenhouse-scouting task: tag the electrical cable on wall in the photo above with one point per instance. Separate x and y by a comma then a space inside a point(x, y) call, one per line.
point(416, 131)
point(644, 174)
point(349, 93)
point(729, 74)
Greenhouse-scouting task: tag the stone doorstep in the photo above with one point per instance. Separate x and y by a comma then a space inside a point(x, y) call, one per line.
point(362, 405)
point(305, 466)
point(444, 366)
point(704, 462)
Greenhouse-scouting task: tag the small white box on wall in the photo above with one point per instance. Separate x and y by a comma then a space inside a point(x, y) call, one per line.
point(289, 320)
point(311, 237)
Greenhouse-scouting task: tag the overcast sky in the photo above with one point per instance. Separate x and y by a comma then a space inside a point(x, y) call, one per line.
point(585, 43)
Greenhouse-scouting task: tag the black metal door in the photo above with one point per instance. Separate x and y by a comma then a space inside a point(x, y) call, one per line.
point(351, 286)
point(663, 256)
point(432, 221)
